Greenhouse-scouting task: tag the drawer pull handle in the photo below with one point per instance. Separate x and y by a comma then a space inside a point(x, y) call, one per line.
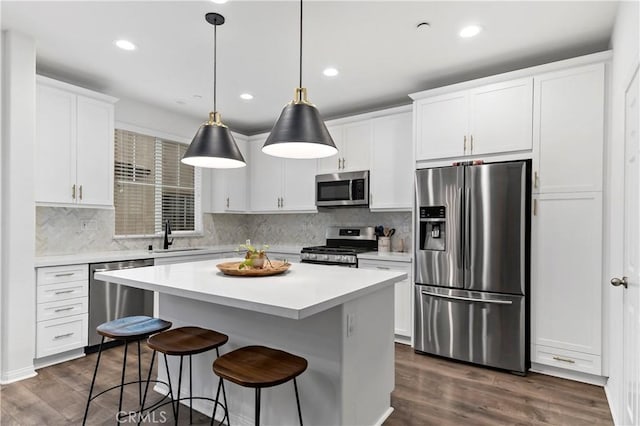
point(63, 309)
point(383, 267)
point(558, 358)
point(62, 336)
point(66, 274)
point(64, 291)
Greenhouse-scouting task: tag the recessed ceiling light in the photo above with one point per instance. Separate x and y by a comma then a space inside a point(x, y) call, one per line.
point(125, 44)
point(330, 72)
point(470, 31)
point(422, 26)
point(220, 1)
point(179, 102)
point(246, 96)
point(197, 96)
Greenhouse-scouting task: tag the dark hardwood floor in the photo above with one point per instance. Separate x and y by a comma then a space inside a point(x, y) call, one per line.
point(429, 391)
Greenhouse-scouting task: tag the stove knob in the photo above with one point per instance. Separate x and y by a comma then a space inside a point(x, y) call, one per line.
point(312, 256)
point(344, 259)
point(324, 257)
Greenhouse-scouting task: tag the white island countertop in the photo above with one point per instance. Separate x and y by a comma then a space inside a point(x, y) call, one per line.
point(302, 291)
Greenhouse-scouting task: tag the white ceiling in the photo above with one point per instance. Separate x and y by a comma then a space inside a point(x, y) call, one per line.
point(375, 45)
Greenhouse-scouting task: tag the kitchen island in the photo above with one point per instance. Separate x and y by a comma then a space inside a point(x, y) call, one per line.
point(339, 319)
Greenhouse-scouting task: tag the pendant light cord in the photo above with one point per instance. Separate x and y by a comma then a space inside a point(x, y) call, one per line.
point(215, 30)
point(300, 44)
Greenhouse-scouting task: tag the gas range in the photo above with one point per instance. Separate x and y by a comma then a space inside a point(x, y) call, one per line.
point(343, 246)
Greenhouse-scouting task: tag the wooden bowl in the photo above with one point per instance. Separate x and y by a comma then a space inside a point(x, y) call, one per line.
point(232, 268)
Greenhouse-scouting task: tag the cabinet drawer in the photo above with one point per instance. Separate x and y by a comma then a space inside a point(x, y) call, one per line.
point(62, 274)
point(568, 360)
point(62, 308)
point(384, 265)
point(60, 335)
point(62, 291)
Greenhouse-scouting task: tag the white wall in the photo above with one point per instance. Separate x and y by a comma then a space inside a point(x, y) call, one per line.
point(626, 56)
point(18, 213)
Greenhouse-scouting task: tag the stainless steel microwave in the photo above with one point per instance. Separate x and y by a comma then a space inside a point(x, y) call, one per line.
point(343, 189)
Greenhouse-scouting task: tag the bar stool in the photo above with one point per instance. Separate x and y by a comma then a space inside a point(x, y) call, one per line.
point(180, 342)
point(259, 367)
point(127, 329)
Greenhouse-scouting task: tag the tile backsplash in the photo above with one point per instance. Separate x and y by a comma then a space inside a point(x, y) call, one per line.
point(58, 229)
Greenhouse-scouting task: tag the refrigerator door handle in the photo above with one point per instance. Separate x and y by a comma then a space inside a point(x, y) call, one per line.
point(467, 228)
point(462, 225)
point(468, 299)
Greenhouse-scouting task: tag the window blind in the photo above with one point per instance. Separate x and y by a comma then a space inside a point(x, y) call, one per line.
point(151, 185)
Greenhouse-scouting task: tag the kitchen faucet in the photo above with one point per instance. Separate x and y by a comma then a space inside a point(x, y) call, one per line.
point(167, 232)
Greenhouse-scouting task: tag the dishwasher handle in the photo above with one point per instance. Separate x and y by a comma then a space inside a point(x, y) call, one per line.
point(118, 269)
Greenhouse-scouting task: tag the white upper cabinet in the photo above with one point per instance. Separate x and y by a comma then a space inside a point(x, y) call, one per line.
point(280, 185)
point(392, 163)
point(490, 119)
point(225, 190)
point(501, 117)
point(353, 141)
point(442, 124)
point(74, 146)
point(569, 130)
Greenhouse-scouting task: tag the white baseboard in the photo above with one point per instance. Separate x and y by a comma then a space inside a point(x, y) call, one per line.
point(17, 375)
point(612, 405)
point(58, 358)
point(384, 417)
point(568, 374)
point(405, 340)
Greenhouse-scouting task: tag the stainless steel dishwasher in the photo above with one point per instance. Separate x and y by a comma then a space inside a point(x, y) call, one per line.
point(109, 301)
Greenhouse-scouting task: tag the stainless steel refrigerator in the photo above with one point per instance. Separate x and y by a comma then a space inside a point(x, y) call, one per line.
point(472, 263)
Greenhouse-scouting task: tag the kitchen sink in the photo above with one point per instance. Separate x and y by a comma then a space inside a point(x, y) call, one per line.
point(177, 249)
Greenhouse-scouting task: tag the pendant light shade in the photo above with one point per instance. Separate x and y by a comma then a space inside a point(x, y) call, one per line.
point(300, 131)
point(213, 145)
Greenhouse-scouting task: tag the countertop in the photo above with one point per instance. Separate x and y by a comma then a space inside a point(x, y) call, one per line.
point(304, 290)
point(116, 255)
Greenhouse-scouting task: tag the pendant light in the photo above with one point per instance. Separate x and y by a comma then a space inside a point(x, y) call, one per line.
point(213, 145)
point(300, 132)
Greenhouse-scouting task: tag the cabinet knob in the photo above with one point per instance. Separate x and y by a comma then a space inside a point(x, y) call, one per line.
point(80, 192)
point(464, 141)
point(471, 144)
point(617, 282)
point(535, 179)
point(344, 161)
point(73, 192)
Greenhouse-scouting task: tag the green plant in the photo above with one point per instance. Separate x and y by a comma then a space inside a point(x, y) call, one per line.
point(254, 257)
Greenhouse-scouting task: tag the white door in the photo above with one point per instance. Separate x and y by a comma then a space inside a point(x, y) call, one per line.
point(95, 152)
point(442, 126)
point(298, 185)
point(631, 260)
point(266, 179)
point(392, 163)
point(501, 117)
point(357, 144)
point(333, 164)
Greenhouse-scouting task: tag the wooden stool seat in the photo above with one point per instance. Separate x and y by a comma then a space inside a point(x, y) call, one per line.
point(259, 366)
point(132, 328)
point(186, 341)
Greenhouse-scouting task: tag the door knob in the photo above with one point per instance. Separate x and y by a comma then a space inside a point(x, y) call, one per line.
point(616, 282)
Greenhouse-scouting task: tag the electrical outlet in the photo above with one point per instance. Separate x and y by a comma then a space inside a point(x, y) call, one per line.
point(351, 324)
point(88, 225)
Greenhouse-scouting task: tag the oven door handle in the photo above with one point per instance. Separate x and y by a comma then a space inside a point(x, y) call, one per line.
point(468, 299)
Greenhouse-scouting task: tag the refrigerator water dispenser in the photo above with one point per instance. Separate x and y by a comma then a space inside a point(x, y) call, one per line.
point(433, 228)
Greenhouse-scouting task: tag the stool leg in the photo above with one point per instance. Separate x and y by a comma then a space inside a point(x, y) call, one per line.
point(257, 406)
point(190, 392)
point(139, 376)
point(173, 408)
point(215, 404)
point(93, 381)
point(295, 386)
point(124, 366)
point(146, 387)
point(179, 388)
point(224, 396)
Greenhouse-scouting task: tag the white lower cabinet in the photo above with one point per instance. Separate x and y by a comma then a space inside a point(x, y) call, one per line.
point(403, 294)
point(62, 309)
point(566, 281)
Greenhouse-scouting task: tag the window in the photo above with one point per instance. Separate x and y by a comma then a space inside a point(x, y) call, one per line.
point(152, 186)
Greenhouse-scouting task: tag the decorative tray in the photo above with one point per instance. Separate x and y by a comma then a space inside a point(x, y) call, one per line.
point(232, 268)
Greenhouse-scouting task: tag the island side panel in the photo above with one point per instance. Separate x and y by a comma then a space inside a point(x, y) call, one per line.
point(318, 339)
point(368, 358)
